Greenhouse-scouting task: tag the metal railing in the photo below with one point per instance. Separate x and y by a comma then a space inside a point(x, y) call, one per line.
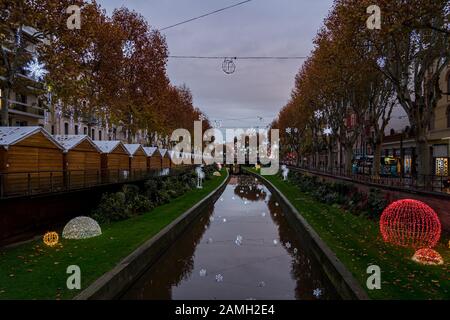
point(41, 182)
point(432, 183)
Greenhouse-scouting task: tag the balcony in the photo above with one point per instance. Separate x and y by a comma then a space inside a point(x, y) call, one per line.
point(26, 110)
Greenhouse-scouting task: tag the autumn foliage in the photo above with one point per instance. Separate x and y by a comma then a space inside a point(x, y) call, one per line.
point(360, 74)
point(112, 69)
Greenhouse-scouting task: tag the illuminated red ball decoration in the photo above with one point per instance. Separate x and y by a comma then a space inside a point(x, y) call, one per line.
point(428, 256)
point(410, 223)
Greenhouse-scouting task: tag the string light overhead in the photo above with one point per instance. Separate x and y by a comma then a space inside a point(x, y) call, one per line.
point(229, 63)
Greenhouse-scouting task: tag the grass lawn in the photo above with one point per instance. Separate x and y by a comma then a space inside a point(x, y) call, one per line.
point(357, 242)
point(35, 271)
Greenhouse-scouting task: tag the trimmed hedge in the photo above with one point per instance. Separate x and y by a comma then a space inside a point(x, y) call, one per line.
point(132, 201)
point(343, 194)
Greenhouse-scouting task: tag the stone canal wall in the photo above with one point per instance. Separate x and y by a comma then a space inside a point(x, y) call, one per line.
point(341, 278)
point(113, 283)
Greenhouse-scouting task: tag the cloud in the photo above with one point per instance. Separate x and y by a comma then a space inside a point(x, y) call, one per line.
point(258, 28)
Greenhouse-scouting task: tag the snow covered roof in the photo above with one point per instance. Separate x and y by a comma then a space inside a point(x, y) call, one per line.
point(108, 146)
point(163, 152)
point(13, 135)
point(150, 151)
point(179, 155)
point(71, 141)
point(132, 148)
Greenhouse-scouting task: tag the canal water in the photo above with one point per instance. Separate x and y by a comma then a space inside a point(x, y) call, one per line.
point(241, 248)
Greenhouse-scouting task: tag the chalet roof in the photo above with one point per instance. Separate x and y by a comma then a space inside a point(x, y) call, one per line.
point(180, 155)
point(71, 141)
point(132, 148)
point(163, 152)
point(108, 146)
point(12, 135)
point(150, 151)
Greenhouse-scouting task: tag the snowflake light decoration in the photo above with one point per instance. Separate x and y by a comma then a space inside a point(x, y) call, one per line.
point(219, 278)
point(128, 49)
point(317, 293)
point(327, 131)
point(36, 69)
point(318, 114)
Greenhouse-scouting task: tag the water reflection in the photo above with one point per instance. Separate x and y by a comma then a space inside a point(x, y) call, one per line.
point(234, 251)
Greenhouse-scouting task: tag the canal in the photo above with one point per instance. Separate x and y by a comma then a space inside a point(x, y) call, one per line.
point(240, 248)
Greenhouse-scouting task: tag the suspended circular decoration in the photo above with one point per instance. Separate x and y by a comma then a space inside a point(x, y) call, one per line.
point(228, 66)
point(410, 223)
point(81, 228)
point(428, 256)
point(51, 239)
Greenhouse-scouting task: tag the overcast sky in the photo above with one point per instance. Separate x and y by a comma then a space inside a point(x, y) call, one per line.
point(257, 28)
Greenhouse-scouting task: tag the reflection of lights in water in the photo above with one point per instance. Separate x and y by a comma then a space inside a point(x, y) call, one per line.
point(232, 198)
point(224, 220)
point(263, 214)
point(211, 219)
point(210, 240)
point(202, 273)
point(238, 240)
point(317, 293)
point(219, 278)
point(262, 284)
point(221, 199)
point(275, 242)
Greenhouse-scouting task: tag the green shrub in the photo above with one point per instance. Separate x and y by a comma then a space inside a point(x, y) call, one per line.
point(376, 203)
point(131, 201)
point(112, 207)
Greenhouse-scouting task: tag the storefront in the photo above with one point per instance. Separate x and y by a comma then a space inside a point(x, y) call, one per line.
point(441, 159)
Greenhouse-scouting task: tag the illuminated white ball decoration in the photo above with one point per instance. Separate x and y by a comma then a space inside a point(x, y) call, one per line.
point(81, 228)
